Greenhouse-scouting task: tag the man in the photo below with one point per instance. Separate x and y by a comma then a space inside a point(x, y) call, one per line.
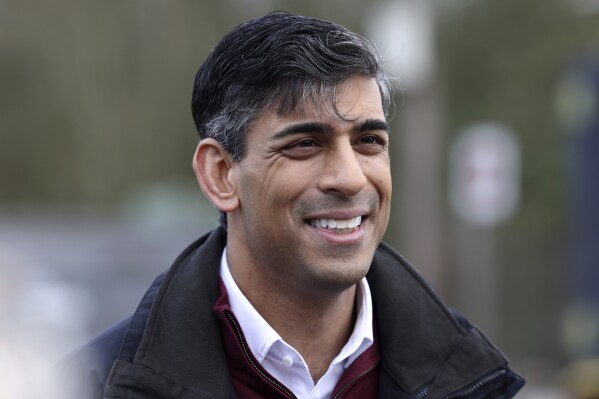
point(294, 295)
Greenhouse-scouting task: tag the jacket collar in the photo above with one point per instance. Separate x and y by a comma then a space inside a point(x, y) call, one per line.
point(421, 339)
point(181, 351)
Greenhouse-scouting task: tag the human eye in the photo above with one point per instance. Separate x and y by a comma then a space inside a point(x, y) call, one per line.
point(302, 148)
point(371, 139)
point(371, 143)
point(304, 143)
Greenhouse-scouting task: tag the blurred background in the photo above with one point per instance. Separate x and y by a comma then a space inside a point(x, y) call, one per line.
point(495, 152)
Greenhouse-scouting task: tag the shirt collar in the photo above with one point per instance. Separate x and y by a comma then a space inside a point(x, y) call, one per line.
point(260, 336)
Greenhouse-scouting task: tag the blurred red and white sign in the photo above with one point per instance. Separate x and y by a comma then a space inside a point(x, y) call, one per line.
point(484, 179)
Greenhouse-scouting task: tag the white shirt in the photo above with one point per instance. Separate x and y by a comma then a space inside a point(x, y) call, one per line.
point(280, 359)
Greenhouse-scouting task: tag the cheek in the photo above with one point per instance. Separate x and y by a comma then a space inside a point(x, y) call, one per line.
point(287, 183)
point(380, 176)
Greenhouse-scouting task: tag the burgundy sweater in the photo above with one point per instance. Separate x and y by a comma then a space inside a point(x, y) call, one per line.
point(252, 381)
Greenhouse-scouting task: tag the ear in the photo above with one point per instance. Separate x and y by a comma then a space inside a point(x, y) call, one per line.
point(212, 166)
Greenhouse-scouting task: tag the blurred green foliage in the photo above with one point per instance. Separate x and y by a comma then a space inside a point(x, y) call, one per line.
point(96, 95)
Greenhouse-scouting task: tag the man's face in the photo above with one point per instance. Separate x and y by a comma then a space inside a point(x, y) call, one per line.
point(314, 192)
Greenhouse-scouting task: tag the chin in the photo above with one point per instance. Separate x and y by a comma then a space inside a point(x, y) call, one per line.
point(342, 277)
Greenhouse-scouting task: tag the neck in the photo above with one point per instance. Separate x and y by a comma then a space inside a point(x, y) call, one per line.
point(318, 331)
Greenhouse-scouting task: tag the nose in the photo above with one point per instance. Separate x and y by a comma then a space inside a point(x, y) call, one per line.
point(342, 172)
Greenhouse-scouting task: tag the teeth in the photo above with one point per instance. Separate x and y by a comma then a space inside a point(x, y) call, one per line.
point(337, 223)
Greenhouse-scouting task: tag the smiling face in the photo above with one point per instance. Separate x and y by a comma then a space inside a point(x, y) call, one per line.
point(313, 194)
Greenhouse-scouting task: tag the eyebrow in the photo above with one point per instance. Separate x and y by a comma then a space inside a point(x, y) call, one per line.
point(303, 127)
point(318, 127)
point(373, 124)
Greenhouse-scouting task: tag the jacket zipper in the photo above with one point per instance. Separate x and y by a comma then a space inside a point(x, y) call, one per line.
point(351, 382)
point(469, 391)
point(466, 391)
point(423, 393)
point(251, 361)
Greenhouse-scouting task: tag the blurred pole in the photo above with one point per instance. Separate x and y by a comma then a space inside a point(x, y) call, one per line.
point(477, 293)
point(404, 32)
point(420, 196)
point(484, 192)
